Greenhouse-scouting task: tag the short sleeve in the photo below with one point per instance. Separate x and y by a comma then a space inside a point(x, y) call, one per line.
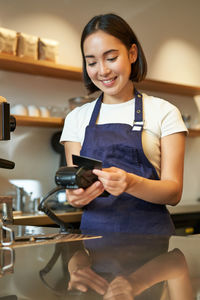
point(70, 129)
point(172, 122)
point(76, 122)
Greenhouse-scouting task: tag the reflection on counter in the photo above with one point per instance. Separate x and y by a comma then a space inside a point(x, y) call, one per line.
point(130, 272)
point(7, 257)
point(124, 267)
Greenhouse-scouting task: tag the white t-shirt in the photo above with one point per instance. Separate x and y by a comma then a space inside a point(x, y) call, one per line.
point(161, 118)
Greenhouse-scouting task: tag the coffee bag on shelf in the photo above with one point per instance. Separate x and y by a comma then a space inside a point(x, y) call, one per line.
point(8, 41)
point(27, 46)
point(48, 50)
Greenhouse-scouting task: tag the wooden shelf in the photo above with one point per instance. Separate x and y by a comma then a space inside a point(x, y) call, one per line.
point(39, 121)
point(169, 88)
point(49, 69)
point(39, 67)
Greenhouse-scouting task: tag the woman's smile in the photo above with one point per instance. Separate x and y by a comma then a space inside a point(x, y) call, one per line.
point(109, 82)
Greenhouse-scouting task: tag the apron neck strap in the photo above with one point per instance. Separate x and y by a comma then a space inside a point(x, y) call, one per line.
point(138, 119)
point(96, 110)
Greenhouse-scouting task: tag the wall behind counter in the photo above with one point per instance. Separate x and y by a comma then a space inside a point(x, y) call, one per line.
point(168, 30)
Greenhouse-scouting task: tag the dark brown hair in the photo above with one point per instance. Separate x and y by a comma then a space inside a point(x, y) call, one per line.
point(117, 27)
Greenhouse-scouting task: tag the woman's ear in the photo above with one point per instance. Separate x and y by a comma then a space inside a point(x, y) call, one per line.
point(133, 53)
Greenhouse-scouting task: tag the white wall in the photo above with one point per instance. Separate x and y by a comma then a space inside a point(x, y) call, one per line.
point(169, 33)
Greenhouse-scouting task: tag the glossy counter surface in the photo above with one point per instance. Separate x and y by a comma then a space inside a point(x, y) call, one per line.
point(120, 266)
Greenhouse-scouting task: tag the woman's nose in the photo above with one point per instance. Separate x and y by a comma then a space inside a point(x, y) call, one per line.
point(103, 69)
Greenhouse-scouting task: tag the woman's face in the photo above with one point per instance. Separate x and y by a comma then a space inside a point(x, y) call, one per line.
point(108, 64)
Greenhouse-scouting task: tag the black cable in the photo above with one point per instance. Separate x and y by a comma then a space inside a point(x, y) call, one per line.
point(44, 208)
point(53, 191)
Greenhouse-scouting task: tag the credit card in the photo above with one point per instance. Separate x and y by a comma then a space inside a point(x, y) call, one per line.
point(88, 162)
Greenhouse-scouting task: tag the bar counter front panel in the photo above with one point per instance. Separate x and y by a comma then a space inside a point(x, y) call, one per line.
point(186, 218)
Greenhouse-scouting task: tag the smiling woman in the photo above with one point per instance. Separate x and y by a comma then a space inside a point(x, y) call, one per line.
point(119, 29)
point(139, 139)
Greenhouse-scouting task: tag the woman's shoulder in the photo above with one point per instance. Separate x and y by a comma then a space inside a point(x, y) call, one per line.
point(158, 108)
point(82, 111)
point(158, 103)
point(76, 122)
point(162, 116)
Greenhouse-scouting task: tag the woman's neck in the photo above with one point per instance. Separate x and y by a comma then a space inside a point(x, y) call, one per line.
point(124, 96)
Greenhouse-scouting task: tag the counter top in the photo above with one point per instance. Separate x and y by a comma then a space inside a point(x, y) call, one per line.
point(141, 265)
point(40, 219)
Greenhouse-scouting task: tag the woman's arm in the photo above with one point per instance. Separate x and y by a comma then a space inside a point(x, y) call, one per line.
point(71, 148)
point(171, 267)
point(167, 190)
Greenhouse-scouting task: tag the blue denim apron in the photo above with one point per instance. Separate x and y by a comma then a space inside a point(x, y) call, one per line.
point(120, 145)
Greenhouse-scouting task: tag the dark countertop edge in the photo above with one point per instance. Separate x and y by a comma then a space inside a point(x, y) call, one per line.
point(184, 209)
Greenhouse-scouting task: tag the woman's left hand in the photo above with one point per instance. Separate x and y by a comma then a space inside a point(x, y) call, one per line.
point(114, 180)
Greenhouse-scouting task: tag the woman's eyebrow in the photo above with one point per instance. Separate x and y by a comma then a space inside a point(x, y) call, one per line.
point(105, 53)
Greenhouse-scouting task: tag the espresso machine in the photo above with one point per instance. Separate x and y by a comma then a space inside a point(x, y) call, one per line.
point(7, 125)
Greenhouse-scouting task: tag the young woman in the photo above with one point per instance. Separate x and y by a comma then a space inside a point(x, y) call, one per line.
point(139, 138)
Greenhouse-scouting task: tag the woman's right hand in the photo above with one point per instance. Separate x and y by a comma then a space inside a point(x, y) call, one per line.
point(86, 278)
point(81, 197)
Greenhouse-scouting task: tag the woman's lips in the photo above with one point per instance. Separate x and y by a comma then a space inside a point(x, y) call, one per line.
point(109, 82)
